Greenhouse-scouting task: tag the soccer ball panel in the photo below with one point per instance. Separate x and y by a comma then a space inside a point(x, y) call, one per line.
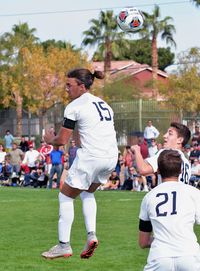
point(130, 19)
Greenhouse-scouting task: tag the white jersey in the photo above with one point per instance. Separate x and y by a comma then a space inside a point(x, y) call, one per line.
point(186, 167)
point(173, 208)
point(95, 125)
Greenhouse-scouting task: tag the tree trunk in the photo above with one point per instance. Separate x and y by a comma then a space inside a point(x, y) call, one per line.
point(154, 66)
point(19, 101)
point(41, 123)
point(108, 58)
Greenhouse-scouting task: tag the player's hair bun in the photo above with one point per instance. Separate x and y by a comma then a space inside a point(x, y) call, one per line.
point(98, 74)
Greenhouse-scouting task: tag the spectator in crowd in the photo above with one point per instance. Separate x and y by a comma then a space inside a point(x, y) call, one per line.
point(131, 182)
point(37, 177)
point(196, 134)
point(119, 164)
point(195, 172)
point(72, 152)
point(153, 149)
point(5, 172)
point(150, 132)
point(187, 151)
point(8, 138)
point(57, 165)
point(170, 211)
point(30, 158)
point(113, 182)
point(2, 154)
point(45, 151)
point(128, 158)
point(15, 156)
point(143, 146)
point(195, 153)
point(23, 145)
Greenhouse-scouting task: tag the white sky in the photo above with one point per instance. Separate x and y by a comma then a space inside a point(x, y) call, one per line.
point(68, 25)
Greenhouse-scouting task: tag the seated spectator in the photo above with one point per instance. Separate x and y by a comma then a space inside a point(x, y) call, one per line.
point(131, 182)
point(153, 148)
point(35, 176)
point(187, 151)
point(120, 162)
point(5, 172)
point(2, 154)
point(196, 134)
point(128, 158)
point(113, 182)
point(195, 153)
point(195, 172)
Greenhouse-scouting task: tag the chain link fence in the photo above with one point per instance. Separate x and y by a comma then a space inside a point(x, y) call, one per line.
point(130, 117)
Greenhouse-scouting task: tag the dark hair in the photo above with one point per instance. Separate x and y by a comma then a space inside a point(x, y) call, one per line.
point(84, 76)
point(182, 131)
point(169, 163)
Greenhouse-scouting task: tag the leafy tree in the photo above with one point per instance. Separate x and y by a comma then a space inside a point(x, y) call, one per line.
point(104, 32)
point(139, 51)
point(11, 81)
point(196, 2)
point(45, 76)
point(154, 26)
point(58, 44)
point(183, 88)
point(120, 90)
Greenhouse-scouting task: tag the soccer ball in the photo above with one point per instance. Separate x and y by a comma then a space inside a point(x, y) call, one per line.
point(130, 19)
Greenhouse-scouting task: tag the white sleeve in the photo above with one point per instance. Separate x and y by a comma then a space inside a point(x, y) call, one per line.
point(144, 210)
point(153, 161)
point(71, 112)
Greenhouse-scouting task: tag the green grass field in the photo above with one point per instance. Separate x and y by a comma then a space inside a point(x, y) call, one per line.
point(28, 226)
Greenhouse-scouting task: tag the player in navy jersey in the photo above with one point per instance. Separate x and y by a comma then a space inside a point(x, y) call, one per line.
point(169, 211)
point(176, 137)
point(94, 161)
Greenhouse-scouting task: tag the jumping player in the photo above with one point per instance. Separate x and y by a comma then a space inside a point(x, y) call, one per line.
point(94, 162)
point(176, 137)
point(170, 211)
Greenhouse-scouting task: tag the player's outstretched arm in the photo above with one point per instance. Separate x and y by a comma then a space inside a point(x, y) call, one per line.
point(143, 167)
point(61, 138)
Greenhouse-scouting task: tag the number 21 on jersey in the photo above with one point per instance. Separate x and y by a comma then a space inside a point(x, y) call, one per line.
point(165, 198)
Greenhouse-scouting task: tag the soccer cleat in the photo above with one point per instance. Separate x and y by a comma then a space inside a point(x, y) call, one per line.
point(58, 251)
point(90, 246)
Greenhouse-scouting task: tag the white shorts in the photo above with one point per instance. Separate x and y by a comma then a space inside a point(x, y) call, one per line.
point(87, 169)
point(185, 263)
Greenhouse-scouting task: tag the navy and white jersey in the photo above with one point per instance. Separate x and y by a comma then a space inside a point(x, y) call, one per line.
point(186, 167)
point(172, 208)
point(94, 120)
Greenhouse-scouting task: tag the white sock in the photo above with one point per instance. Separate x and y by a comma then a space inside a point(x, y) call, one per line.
point(89, 210)
point(66, 217)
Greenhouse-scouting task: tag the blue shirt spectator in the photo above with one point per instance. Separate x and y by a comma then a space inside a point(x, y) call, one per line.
point(8, 138)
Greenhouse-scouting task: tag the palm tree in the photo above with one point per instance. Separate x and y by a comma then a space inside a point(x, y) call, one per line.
point(153, 27)
point(196, 2)
point(104, 33)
